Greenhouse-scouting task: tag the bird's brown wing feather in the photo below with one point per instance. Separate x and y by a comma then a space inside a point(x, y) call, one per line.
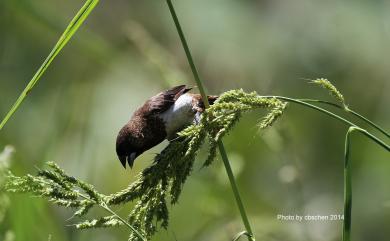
point(164, 100)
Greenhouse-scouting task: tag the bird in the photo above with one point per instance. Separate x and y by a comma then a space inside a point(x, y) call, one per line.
point(160, 117)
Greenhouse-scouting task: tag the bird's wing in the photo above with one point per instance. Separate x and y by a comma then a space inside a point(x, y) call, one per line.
point(162, 101)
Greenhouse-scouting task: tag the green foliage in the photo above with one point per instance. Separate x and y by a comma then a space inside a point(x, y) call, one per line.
point(221, 117)
point(57, 187)
point(64, 190)
point(161, 181)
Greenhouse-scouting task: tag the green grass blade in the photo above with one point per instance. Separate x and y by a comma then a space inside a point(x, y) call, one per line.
point(348, 179)
point(73, 26)
point(347, 188)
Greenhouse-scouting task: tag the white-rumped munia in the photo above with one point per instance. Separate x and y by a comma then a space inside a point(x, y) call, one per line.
point(159, 118)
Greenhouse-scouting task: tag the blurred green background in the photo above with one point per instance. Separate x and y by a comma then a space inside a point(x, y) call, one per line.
point(129, 50)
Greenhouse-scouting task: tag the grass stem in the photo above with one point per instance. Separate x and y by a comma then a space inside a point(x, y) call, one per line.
point(237, 196)
point(337, 117)
point(188, 54)
point(221, 147)
point(348, 110)
point(368, 121)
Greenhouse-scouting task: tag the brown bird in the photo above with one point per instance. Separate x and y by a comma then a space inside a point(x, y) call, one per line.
point(159, 118)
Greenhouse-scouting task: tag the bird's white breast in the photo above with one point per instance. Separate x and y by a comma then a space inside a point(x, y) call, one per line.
point(179, 115)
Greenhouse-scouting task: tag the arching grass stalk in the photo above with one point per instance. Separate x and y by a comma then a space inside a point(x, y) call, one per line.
point(71, 29)
point(342, 104)
point(221, 147)
point(337, 117)
point(349, 110)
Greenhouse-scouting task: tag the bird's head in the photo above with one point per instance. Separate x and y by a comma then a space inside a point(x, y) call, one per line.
point(125, 149)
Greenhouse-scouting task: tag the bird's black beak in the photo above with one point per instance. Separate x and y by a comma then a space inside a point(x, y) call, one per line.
point(123, 160)
point(131, 158)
